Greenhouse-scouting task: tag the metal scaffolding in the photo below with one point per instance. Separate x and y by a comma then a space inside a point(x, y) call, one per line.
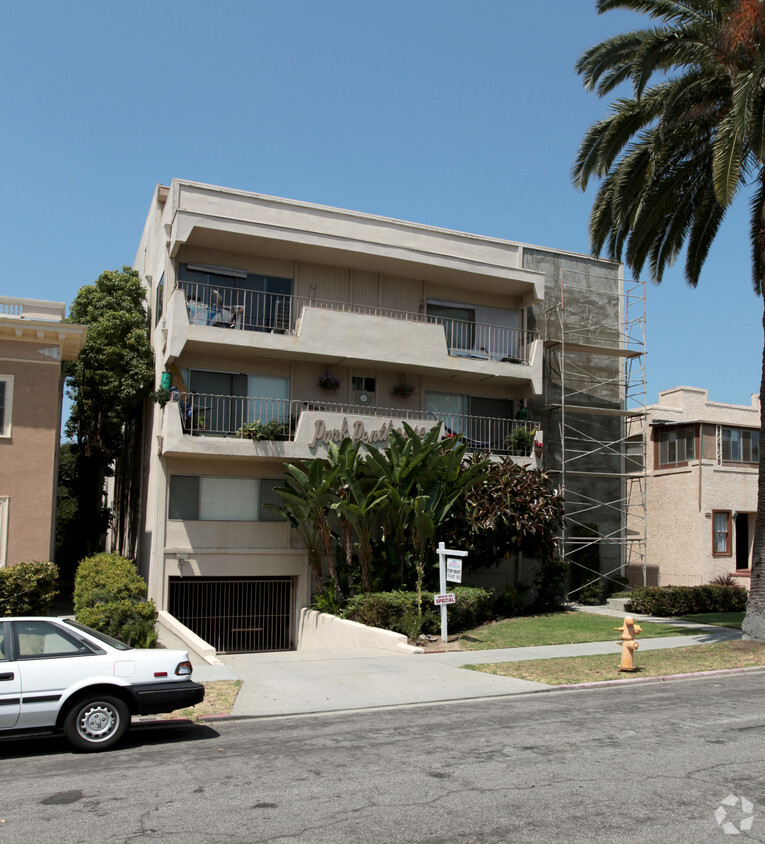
point(595, 390)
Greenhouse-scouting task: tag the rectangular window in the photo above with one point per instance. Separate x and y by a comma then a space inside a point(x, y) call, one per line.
point(721, 544)
point(6, 404)
point(677, 446)
point(159, 302)
point(740, 445)
point(235, 298)
point(219, 499)
point(485, 423)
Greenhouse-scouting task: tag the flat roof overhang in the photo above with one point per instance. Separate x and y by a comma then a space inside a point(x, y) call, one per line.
point(252, 224)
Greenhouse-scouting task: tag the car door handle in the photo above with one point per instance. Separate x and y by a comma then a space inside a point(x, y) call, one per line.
point(8, 676)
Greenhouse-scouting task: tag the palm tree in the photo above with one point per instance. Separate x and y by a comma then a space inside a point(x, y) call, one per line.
point(673, 156)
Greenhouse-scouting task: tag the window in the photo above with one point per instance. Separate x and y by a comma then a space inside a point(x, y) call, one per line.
point(235, 298)
point(484, 422)
point(39, 639)
point(740, 445)
point(6, 404)
point(458, 322)
point(159, 302)
point(676, 446)
point(721, 545)
point(363, 384)
point(216, 499)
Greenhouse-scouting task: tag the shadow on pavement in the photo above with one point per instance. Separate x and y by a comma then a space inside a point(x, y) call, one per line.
point(147, 734)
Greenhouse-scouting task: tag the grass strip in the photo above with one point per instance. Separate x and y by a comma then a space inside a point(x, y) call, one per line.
point(659, 663)
point(719, 619)
point(220, 696)
point(563, 628)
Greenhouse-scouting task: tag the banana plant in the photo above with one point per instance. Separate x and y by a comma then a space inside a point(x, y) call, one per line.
point(307, 499)
point(360, 496)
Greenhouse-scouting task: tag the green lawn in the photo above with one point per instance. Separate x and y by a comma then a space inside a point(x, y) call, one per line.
point(720, 619)
point(588, 669)
point(565, 628)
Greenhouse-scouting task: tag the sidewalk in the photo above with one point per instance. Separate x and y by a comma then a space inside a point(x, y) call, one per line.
point(300, 682)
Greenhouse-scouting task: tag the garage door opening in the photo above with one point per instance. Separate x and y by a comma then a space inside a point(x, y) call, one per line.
point(236, 614)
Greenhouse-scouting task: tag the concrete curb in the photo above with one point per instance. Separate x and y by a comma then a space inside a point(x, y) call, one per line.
point(203, 719)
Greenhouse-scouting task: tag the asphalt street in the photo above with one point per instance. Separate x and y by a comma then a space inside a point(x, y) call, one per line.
point(661, 762)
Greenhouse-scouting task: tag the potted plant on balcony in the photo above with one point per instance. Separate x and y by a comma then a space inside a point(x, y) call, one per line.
point(402, 389)
point(274, 429)
point(329, 382)
point(520, 441)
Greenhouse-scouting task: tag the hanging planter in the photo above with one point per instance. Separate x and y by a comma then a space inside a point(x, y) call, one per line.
point(402, 389)
point(538, 447)
point(329, 382)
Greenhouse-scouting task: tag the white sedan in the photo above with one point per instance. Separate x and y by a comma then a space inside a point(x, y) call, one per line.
point(58, 674)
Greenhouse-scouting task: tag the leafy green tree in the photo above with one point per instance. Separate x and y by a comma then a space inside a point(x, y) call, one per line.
point(674, 155)
point(107, 385)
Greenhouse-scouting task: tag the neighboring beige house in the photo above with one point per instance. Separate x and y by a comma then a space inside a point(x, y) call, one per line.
point(701, 487)
point(321, 323)
point(34, 341)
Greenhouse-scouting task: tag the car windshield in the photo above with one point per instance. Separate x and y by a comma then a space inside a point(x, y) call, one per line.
point(97, 634)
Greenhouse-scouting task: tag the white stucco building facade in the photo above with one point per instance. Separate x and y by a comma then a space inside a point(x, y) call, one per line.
point(304, 324)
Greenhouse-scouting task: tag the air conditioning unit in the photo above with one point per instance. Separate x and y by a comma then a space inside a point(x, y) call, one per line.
point(363, 397)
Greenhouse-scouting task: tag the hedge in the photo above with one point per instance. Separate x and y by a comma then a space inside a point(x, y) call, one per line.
point(394, 610)
point(682, 600)
point(28, 588)
point(110, 596)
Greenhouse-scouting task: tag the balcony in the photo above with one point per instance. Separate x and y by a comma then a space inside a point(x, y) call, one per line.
point(345, 333)
point(237, 426)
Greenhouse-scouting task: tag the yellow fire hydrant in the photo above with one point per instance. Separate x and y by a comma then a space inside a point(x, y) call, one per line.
point(628, 630)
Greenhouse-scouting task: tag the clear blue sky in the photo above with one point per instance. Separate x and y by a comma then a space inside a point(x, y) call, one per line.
point(449, 113)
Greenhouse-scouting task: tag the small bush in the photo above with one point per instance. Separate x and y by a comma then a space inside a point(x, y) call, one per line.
point(109, 595)
point(683, 600)
point(106, 577)
point(27, 588)
point(132, 622)
point(397, 611)
point(511, 601)
point(549, 580)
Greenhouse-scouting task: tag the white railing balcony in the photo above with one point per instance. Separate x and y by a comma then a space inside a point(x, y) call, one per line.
point(205, 414)
point(278, 313)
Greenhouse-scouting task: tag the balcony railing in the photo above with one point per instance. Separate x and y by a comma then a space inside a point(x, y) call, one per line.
point(278, 313)
point(276, 419)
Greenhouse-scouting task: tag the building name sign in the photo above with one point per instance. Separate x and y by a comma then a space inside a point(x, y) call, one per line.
point(358, 430)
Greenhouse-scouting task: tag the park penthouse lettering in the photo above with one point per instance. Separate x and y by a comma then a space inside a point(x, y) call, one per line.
point(358, 432)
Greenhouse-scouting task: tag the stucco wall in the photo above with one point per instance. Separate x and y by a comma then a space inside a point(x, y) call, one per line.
point(28, 459)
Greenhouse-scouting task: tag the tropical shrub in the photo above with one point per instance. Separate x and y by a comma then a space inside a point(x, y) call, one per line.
point(27, 588)
point(110, 596)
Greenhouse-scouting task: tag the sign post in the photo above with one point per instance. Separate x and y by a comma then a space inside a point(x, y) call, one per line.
point(450, 568)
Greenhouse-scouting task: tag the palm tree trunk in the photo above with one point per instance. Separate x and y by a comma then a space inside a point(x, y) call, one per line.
point(753, 626)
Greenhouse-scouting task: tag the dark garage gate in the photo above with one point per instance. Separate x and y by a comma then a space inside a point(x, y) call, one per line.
point(236, 614)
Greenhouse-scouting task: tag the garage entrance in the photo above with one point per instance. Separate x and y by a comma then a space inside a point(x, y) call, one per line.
point(236, 614)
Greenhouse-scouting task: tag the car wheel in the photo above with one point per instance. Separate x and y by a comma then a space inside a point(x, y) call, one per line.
point(97, 722)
